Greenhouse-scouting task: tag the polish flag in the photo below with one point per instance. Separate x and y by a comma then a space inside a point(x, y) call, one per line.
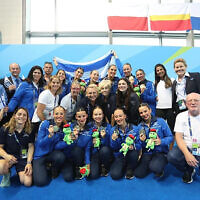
point(128, 17)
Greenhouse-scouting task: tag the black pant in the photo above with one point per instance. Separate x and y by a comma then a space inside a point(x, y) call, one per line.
point(155, 162)
point(168, 115)
point(121, 164)
point(40, 173)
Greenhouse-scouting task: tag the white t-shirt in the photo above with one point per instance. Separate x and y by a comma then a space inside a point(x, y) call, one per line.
point(164, 96)
point(48, 99)
point(182, 126)
point(69, 105)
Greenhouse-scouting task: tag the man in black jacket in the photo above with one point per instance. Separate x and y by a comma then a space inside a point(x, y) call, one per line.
point(12, 82)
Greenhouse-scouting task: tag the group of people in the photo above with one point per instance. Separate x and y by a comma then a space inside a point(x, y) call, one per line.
point(52, 124)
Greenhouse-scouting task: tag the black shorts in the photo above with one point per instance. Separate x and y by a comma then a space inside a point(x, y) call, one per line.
point(20, 165)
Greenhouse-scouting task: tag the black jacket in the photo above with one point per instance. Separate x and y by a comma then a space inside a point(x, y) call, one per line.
point(192, 85)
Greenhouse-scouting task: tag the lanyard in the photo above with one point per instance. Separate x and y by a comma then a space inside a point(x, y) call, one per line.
point(17, 139)
point(190, 127)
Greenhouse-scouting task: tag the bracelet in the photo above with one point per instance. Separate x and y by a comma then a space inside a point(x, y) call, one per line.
point(29, 162)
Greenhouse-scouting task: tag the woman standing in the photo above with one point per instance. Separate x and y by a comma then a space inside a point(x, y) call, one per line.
point(123, 164)
point(94, 78)
point(148, 93)
point(184, 84)
point(64, 84)
point(127, 100)
point(108, 100)
point(16, 148)
point(47, 101)
point(155, 136)
point(112, 70)
point(27, 93)
point(49, 134)
point(163, 85)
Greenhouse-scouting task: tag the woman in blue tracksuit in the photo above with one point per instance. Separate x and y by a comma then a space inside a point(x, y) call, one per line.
point(27, 93)
point(49, 134)
point(101, 153)
point(78, 152)
point(154, 150)
point(124, 162)
point(148, 92)
point(64, 83)
point(112, 70)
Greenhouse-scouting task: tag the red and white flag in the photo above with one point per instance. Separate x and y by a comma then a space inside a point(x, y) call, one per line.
point(128, 17)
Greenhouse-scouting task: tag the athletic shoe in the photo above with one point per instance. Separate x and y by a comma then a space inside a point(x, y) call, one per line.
point(78, 176)
point(188, 176)
point(5, 182)
point(160, 175)
point(129, 174)
point(104, 171)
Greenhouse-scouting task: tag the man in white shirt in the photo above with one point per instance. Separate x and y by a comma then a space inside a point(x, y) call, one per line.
point(69, 101)
point(186, 155)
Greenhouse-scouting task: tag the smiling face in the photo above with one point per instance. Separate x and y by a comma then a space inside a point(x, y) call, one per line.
point(81, 117)
point(193, 103)
point(94, 76)
point(105, 90)
point(119, 117)
point(75, 89)
point(145, 113)
point(127, 70)
point(78, 74)
point(14, 69)
point(61, 74)
point(180, 69)
point(21, 117)
point(59, 115)
point(36, 75)
point(55, 84)
point(92, 94)
point(122, 85)
point(97, 115)
point(112, 71)
point(140, 75)
point(160, 72)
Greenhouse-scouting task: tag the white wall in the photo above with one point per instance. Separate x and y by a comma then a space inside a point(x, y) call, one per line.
point(11, 21)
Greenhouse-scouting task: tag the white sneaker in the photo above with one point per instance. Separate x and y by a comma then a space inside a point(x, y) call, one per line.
point(5, 182)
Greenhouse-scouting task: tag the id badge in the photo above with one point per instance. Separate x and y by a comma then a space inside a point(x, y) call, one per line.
point(196, 147)
point(24, 153)
point(181, 105)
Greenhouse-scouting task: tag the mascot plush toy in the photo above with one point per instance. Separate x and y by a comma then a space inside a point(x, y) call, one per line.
point(128, 142)
point(84, 171)
point(95, 135)
point(136, 89)
point(67, 131)
point(150, 142)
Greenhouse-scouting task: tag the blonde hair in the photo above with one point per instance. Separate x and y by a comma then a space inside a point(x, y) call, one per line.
point(93, 86)
point(180, 60)
point(12, 122)
point(105, 83)
point(49, 84)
